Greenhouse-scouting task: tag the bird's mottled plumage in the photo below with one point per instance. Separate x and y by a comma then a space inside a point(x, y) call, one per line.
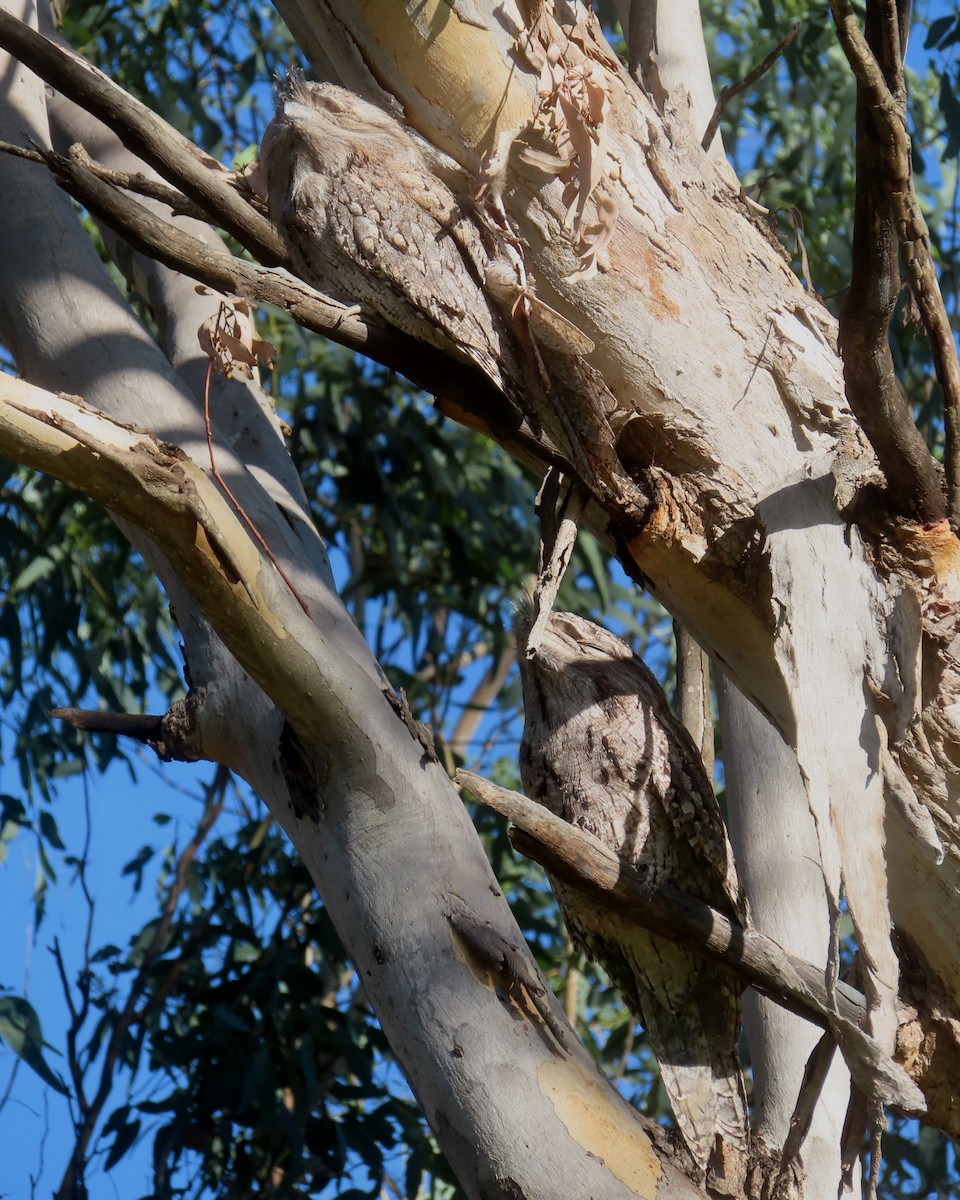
point(372, 214)
point(365, 210)
point(602, 750)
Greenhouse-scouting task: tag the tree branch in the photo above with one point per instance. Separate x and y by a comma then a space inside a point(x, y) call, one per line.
point(141, 727)
point(146, 134)
point(888, 208)
point(138, 183)
point(466, 393)
point(581, 860)
point(174, 736)
point(734, 89)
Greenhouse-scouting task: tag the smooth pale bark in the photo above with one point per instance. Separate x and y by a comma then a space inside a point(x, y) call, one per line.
point(771, 826)
point(776, 847)
point(683, 69)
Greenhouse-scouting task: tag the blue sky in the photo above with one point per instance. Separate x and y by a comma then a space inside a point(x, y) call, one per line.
point(120, 816)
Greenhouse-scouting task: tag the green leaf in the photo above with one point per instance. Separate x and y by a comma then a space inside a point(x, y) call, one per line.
point(20, 1029)
point(937, 29)
point(126, 1132)
point(136, 864)
point(49, 831)
point(246, 157)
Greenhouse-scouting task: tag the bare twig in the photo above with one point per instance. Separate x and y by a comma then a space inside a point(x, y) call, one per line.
point(140, 185)
point(172, 736)
point(142, 131)
point(41, 1148)
point(581, 859)
point(878, 1125)
point(142, 727)
point(734, 89)
point(871, 385)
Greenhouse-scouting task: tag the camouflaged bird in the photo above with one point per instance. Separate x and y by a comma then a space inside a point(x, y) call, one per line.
point(365, 208)
point(601, 749)
point(372, 214)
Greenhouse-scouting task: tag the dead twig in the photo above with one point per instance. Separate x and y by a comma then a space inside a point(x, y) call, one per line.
point(734, 89)
point(139, 184)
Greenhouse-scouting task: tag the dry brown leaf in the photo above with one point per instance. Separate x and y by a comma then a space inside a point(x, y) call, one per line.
point(574, 109)
point(228, 338)
point(595, 238)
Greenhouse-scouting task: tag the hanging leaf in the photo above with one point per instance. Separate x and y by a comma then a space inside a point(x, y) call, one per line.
point(20, 1029)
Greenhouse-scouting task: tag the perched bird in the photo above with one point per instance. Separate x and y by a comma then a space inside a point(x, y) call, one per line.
point(366, 209)
point(372, 214)
point(601, 749)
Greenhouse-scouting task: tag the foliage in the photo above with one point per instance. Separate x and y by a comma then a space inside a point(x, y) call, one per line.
point(791, 139)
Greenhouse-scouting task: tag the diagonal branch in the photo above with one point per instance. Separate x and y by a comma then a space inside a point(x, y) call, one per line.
point(146, 134)
point(734, 89)
point(888, 218)
point(583, 861)
point(473, 398)
point(465, 394)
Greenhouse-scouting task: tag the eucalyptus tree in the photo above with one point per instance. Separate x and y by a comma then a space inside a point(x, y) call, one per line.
point(756, 466)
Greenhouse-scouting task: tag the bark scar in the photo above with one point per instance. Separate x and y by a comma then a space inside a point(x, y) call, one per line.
point(418, 730)
point(505, 959)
